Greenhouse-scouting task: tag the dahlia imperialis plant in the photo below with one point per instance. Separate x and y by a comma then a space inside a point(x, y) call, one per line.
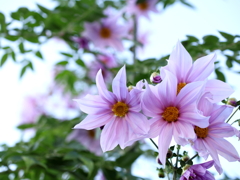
point(184, 106)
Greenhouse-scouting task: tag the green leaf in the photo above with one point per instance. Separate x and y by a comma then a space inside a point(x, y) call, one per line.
point(192, 38)
point(11, 38)
point(229, 63)
point(2, 23)
point(228, 37)
point(220, 75)
point(210, 39)
point(126, 160)
point(80, 63)
point(24, 68)
point(39, 54)
point(32, 39)
point(4, 59)
point(28, 161)
point(15, 15)
point(66, 54)
point(88, 163)
point(62, 63)
point(43, 9)
point(21, 47)
point(25, 126)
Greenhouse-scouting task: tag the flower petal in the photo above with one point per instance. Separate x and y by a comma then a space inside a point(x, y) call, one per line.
point(202, 68)
point(93, 104)
point(102, 89)
point(164, 141)
point(219, 90)
point(109, 136)
point(94, 121)
point(156, 124)
point(183, 131)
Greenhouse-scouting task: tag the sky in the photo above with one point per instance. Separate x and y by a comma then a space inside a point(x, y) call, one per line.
point(165, 28)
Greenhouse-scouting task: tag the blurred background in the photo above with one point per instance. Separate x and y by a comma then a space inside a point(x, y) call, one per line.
point(46, 68)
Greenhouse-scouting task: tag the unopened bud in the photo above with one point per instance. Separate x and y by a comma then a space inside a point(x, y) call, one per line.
point(169, 154)
point(155, 78)
point(232, 102)
point(185, 158)
point(161, 173)
point(130, 88)
point(186, 167)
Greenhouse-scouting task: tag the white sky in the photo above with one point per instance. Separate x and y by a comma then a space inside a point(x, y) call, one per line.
point(166, 28)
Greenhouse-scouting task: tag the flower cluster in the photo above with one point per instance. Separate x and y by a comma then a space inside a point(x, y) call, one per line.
point(184, 106)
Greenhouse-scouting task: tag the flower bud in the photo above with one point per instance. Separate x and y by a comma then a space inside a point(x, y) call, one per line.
point(185, 158)
point(169, 154)
point(232, 102)
point(130, 88)
point(155, 78)
point(161, 173)
point(186, 167)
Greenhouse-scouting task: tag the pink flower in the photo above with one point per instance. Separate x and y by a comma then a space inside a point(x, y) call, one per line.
point(210, 140)
point(108, 60)
point(181, 65)
point(94, 68)
point(173, 115)
point(82, 42)
point(117, 111)
point(198, 172)
point(87, 139)
point(105, 33)
point(141, 9)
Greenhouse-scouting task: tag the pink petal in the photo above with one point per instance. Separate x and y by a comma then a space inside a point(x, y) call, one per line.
point(179, 63)
point(202, 68)
point(164, 141)
point(119, 85)
point(94, 121)
point(109, 136)
point(221, 130)
point(183, 130)
point(138, 122)
point(93, 104)
point(219, 90)
point(155, 126)
point(102, 89)
point(190, 94)
point(220, 113)
point(205, 104)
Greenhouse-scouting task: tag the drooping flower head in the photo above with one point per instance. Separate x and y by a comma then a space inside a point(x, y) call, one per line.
point(87, 138)
point(117, 111)
point(210, 140)
point(173, 115)
point(106, 33)
point(198, 172)
point(83, 43)
point(155, 78)
point(181, 65)
point(141, 8)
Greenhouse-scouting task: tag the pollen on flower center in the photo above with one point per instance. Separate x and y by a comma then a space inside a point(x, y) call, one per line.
point(201, 132)
point(143, 6)
point(120, 109)
point(180, 86)
point(170, 114)
point(105, 32)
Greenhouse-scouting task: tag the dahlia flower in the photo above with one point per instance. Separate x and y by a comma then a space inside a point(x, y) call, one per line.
point(210, 140)
point(173, 115)
point(198, 172)
point(117, 111)
point(142, 8)
point(105, 33)
point(181, 65)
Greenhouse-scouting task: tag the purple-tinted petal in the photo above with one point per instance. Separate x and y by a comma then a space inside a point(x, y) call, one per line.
point(190, 94)
point(208, 176)
point(102, 89)
point(134, 100)
point(94, 121)
point(179, 63)
point(183, 130)
point(156, 125)
point(138, 122)
point(220, 113)
point(109, 136)
point(202, 68)
point(151, 105)
point(199, 146)
point(208, 164)
point(119, 85)
point(205, 105)
point(221, 130)
point(219, 90)
point(164, 141)
point(93, 104)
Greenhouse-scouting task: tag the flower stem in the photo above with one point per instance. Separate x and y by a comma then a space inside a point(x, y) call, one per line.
point(232, 115)
point(154, 143)
point(176, 165)
point(192, 158)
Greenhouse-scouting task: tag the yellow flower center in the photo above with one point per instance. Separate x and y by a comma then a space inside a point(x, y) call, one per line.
point(201, 132)
point(105, 32)
point(91, 133)
point(180, 86)
point(170, 114)
point(143, 6)
point(120, 109)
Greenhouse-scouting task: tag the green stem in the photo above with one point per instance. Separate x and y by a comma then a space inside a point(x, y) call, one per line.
point(232, 115)
point(154, 143)
point(176, 165)
point(192, 158)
